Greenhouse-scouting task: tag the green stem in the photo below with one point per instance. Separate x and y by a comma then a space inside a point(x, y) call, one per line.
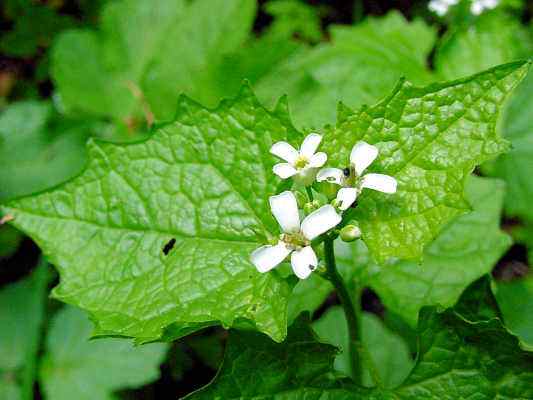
point(309, 193)
point(349, 309)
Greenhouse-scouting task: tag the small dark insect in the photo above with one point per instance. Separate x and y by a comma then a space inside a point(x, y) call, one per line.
point(346, 171)
point(311, 267)
point(354, 204)
point(169, 246)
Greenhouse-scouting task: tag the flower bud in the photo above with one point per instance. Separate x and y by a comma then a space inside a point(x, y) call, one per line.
point(350, 233)
point(301, 199)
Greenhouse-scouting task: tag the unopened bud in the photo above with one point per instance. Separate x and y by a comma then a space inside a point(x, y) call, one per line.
point(350, 233)
point(301, 199)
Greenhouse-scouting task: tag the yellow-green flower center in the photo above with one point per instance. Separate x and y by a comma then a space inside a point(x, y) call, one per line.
point(301, 162)
point(295, 240)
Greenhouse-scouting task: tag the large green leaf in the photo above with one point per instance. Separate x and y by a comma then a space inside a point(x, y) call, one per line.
point(75, 367)
point(158, 233)
point(430, 139)
point(457, 359)
point(464, 251)
point(145, 54)
point(21, 317)
point(387, 351)
point(37, 149)
point(345, 68)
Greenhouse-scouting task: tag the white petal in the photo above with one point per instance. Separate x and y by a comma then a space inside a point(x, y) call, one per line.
point(476, 8)
point(284, 151)
point(267, 257)
point(333, 175)
point(320, 221)
point(347, 197)
point(285, 210)
point(304, 262)
point(310, 144)
point(383, 183)
point(318, 160)
point(284, 170)
point(362, 155)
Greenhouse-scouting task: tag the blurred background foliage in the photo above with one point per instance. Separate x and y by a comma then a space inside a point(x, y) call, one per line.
point(75, 69)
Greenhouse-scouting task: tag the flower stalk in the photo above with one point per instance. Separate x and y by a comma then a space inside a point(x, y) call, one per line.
point(346, 300)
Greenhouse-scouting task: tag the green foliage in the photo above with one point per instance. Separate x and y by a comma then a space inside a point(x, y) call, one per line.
point(215, 189)
point(515, 299)
point(344, 70)
point(384, 350)
point(34, 27)
point(457, 359)
point(464, 251)
point(72, 363)
point(131, 68)
point(496, 38)
point(38, 149)
point(21, 318)
point(421, 134)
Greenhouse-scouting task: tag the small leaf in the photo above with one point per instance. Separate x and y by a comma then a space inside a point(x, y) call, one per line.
point(515, 299)
point(37, 150)
point(430, 139)
point(388, 351)
point(75, 367)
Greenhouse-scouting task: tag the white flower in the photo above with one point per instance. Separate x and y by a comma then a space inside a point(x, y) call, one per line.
point(440, 7)
point(301, 164)
point(352, 180)
point(296, 238)
point(478, 6)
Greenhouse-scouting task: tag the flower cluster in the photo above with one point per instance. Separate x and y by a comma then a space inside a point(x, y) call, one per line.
point(441, 7)
point(303, 167)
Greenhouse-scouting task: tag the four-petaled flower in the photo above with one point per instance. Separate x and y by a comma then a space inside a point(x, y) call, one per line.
point(302, 164)
point(296, 238)
point(352, 180)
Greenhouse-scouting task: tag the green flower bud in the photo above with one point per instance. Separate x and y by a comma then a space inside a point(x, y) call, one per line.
point(301, 199)
point(350, 233)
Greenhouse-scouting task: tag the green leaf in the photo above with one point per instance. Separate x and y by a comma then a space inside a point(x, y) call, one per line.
point(308, 295)
point(37, 149)
point(515, 299)
point(516, 166)
point(35, 27)
point(388, 352)
point(464, 251)
point(75, 367)
point(295, 369)
point(21, 317)
point(294, 17)
point(494, 38)
point(158, 234)
point(457, 359)
point(10, 239)
point(145, 55)
point(430, 139)
point(345, 69)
